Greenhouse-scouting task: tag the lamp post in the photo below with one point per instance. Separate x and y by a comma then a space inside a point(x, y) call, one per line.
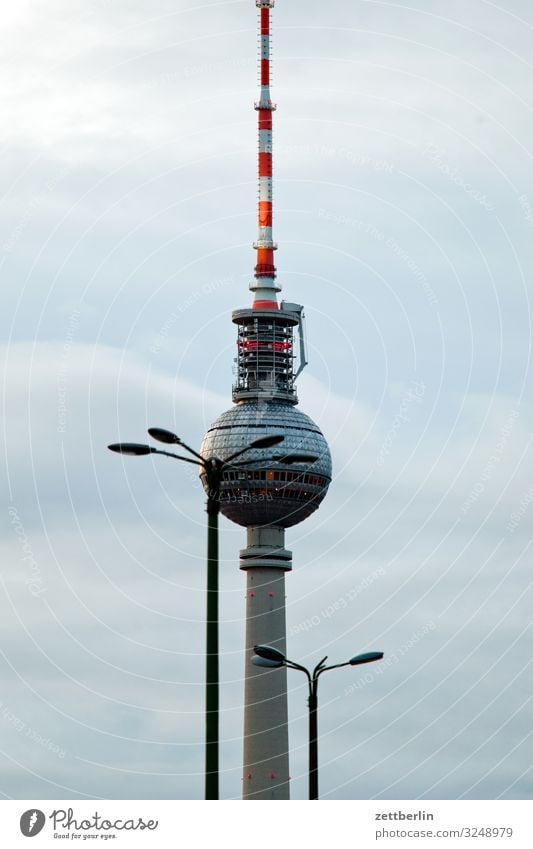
point(271, 657)
point(213, 469)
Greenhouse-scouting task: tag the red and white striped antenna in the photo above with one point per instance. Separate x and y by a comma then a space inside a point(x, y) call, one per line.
point(264, 287)
point(265, 362)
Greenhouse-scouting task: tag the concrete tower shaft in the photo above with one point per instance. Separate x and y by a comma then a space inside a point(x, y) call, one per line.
point(266, 741)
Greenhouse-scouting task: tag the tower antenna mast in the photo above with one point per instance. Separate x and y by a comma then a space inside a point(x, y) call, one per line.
point(265, 288)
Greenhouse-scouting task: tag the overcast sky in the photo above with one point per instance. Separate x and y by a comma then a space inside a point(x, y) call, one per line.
point(404, 215)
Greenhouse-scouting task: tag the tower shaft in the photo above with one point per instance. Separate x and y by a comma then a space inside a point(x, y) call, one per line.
point(266, 742)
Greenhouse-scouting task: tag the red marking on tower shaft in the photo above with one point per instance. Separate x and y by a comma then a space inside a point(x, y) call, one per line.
point(265, 119)
point(265, 72)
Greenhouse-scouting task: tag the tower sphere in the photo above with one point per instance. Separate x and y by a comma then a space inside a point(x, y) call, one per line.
point(269, 491)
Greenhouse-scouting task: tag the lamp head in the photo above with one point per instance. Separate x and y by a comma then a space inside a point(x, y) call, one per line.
point(265, 662)
point(367, 657)
point(270, 653)
point(267, 441)
point(291, 459)
point(131, 449)
point(163, 435)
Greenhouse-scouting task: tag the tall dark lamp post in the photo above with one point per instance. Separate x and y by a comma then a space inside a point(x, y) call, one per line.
point(213, 469)
point(272, 657)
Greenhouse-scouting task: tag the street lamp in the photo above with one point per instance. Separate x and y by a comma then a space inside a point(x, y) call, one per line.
point(268, 656)
point(213, 469)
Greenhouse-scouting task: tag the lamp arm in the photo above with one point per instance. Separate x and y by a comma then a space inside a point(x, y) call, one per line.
point(178, 457)
point(228, 462)
point(292, 665)
point(319, 666)
point(242, 451)
point(327, 668)
point(192, 451)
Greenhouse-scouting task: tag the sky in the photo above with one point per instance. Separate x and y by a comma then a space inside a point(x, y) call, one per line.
point(404, 217)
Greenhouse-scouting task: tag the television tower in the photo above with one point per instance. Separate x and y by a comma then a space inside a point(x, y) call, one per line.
point(270, 494)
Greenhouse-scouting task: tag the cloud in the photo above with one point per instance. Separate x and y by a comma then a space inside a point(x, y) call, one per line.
point(401, 208)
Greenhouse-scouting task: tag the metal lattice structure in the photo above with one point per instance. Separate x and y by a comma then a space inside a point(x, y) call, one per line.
point(265, 356)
